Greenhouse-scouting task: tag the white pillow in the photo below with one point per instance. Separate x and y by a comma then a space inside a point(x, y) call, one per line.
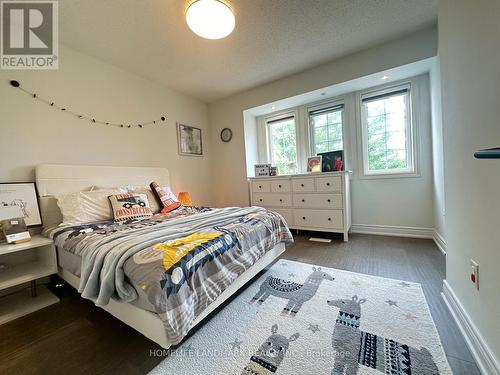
point(86, 206)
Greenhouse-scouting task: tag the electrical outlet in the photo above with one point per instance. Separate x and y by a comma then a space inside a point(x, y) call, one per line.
point(474, 273)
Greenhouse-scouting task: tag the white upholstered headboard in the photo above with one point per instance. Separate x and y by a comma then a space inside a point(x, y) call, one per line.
point(55, 179)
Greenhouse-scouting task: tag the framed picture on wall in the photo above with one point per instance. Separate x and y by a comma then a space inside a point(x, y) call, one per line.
point(19, 199)
point(189, 140)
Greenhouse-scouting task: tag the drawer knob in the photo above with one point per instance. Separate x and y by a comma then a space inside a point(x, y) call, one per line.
point(279, 186)
point(329, 200)
point(303, 217)
point(327, 184)
point(329, 219)
point(302, 185)
point(260, 200)
point(303, 200)
point(281, 200)
point(260, 186)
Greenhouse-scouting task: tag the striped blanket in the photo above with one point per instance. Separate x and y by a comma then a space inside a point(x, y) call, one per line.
point(182, 260)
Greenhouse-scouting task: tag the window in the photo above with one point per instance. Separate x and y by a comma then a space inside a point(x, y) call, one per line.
point(282, 143)
point(387, 132)
point(326, 129)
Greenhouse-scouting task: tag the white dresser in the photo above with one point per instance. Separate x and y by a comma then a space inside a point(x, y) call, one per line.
point(312, 201)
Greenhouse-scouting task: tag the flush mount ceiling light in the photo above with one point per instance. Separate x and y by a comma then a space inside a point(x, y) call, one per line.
point(210, 19)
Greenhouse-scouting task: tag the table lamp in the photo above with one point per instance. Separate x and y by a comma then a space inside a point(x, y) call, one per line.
point(184, 198)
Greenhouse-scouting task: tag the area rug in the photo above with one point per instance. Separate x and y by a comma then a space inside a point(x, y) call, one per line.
point(303, 319)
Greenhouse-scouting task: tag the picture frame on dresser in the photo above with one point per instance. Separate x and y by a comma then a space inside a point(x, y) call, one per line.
point(332, 161)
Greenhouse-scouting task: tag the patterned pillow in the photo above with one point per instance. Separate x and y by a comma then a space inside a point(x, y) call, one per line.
point(166, 197)
point(130, 206)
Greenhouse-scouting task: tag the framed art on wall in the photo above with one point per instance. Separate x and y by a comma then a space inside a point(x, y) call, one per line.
point(189, 140)
point(19, 199)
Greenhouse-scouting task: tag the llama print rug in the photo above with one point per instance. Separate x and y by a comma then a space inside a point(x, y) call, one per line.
point(303, 319)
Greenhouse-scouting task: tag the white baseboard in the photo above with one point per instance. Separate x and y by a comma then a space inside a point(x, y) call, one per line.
point(388, 230)
point(484, 357)
point(440, 241)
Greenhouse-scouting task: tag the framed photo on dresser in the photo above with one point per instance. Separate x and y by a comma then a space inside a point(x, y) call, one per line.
point(332, 161)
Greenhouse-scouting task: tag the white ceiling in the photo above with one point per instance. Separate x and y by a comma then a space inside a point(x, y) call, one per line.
point(328, 93)
point(272, 38)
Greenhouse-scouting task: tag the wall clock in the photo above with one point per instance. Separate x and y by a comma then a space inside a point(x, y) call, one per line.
point(226, 135)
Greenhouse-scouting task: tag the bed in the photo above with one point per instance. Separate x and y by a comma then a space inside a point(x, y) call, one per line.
point(124, 268)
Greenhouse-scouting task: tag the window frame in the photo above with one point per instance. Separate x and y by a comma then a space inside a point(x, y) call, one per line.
point(411, 139)
point(276, 118)
point(319, 107)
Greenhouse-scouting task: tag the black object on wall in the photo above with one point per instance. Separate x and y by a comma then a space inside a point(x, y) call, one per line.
point(488, 153)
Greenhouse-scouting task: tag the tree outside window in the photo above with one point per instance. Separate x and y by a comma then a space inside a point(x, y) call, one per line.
point(386, 125)
point(283, 143)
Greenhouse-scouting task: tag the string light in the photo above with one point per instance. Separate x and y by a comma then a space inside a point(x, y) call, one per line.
point(92, 120)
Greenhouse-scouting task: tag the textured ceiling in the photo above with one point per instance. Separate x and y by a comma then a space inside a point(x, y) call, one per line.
point(272, 38)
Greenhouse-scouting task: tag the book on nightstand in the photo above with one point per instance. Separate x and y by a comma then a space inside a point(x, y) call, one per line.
point(15, 230)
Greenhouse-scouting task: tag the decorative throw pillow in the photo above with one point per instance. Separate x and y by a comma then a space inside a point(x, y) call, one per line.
point(154, 203)
point(130, 206)
point(166, 197)
point(83, 207)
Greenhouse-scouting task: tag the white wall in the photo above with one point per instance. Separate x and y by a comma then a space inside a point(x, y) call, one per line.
point(437, 152)
point(32, 132)
point(396, 205)
point(230, 184)
point(469, 49)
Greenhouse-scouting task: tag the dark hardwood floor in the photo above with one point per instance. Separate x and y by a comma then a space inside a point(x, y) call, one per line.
point(75, 337)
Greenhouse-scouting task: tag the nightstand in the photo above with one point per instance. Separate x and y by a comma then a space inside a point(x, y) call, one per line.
point(26, 262)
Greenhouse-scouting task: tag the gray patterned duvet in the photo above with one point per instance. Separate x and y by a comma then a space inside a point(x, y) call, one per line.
point(181, 261)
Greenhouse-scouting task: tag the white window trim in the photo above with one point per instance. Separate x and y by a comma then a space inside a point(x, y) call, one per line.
point(412, 139)
point(324, 105)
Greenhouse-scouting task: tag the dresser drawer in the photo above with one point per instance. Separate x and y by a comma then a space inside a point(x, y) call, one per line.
point(328, 219)
point(318, 201)
point(261, 186)
point(303, 185)
point(286, 213)
point(330, 183)
point(272, 200)
point(280, 186)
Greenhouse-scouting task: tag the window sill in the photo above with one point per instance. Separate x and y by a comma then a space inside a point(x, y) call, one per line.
point(375, 176)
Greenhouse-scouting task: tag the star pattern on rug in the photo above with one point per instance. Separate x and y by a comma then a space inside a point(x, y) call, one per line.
point(235, 344)
point(355, 283)
point(314, 328)
point(291, 274)
point(410, 316)
point(405, 285)
point(283, 264)
point(390, 302)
